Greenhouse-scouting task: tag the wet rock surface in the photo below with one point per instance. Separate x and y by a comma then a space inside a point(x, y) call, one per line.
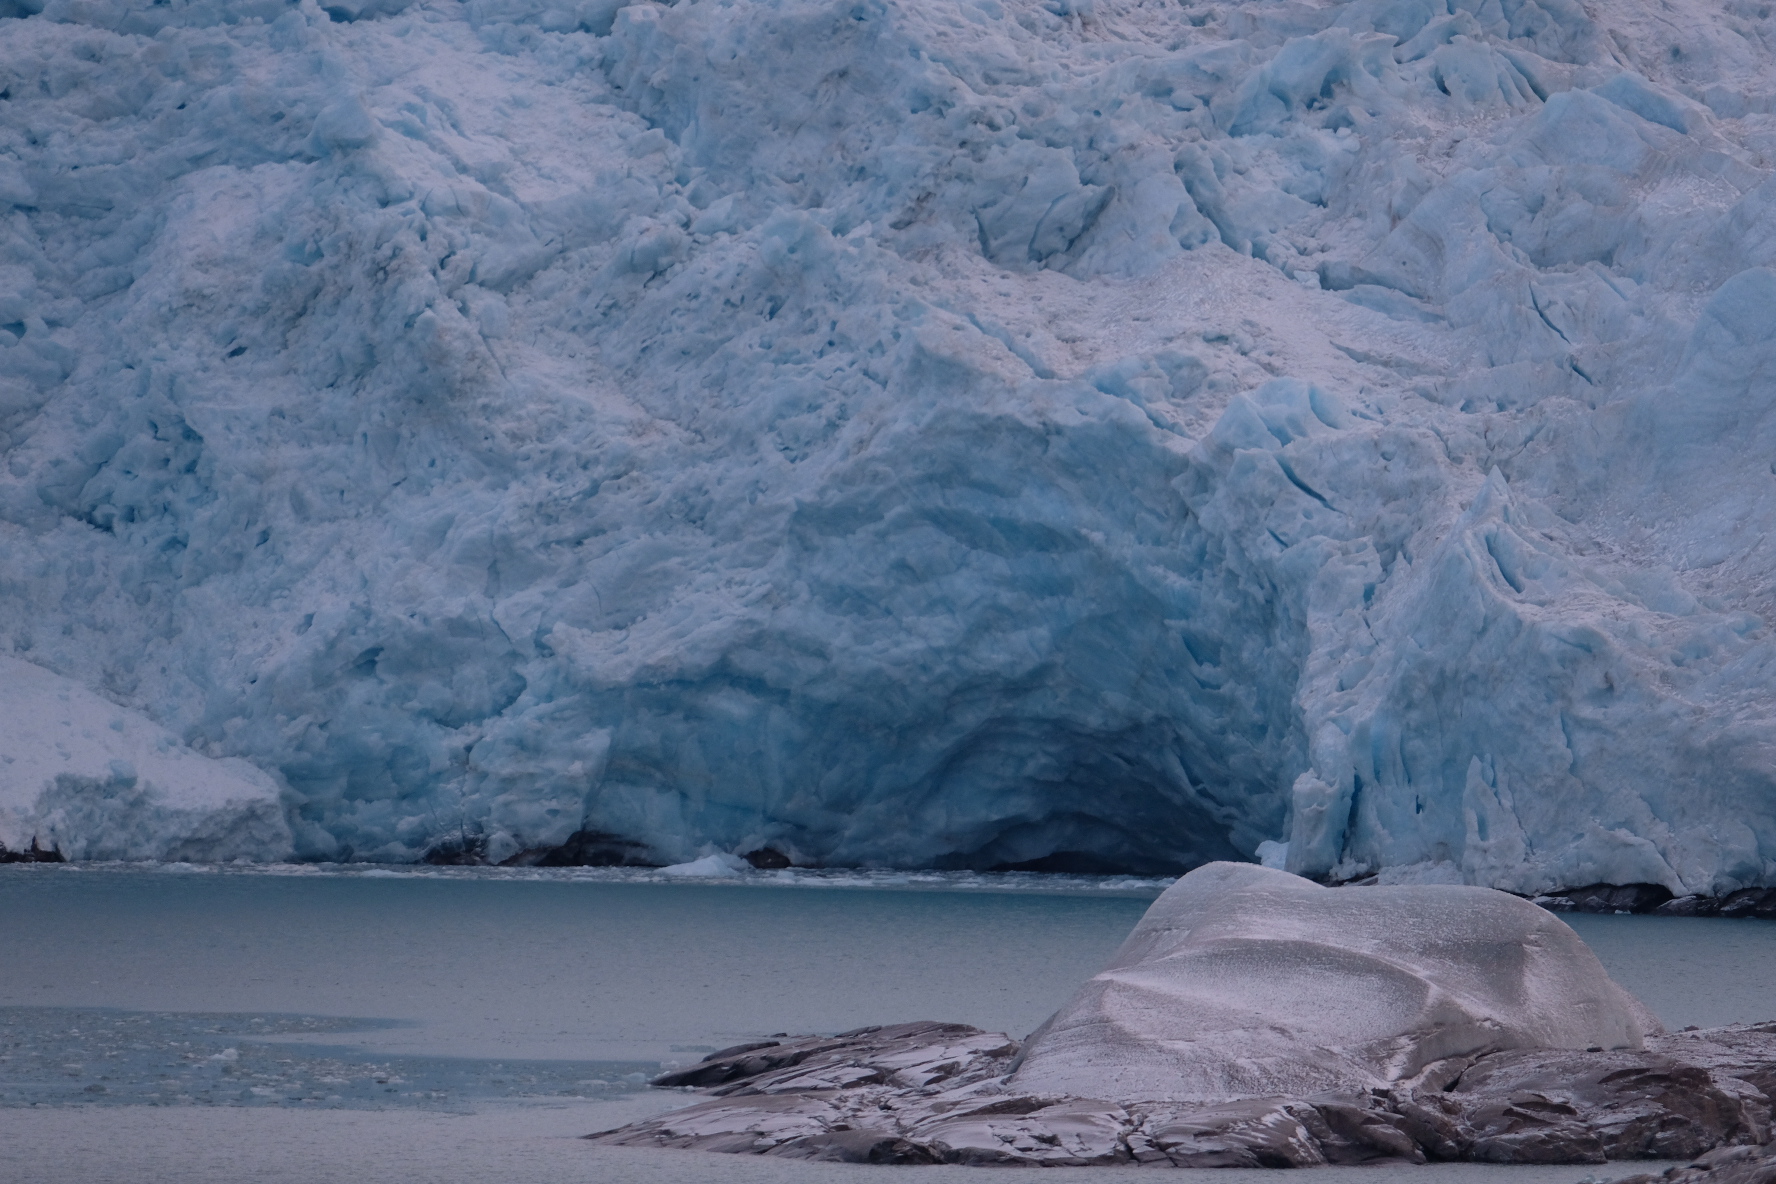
point(938, 1093)
point(1654, 898)
point(1725, 1165)
point(32, 854)
point(583, 848)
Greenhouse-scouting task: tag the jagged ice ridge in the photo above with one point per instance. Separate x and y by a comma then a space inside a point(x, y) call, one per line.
point(953, 432)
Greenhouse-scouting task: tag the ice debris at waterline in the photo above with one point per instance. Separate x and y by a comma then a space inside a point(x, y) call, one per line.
point(1101, 436)
point(1254, 1019)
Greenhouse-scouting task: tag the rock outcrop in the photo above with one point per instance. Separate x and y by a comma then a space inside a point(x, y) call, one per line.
point(939, 1093)
point(1255, 1019)
point(1728, 1165)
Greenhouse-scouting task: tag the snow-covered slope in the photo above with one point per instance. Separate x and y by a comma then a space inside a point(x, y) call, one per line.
point(90, 780)
point(915, 431)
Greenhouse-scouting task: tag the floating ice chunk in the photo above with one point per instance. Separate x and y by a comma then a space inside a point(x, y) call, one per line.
point(713, 866)
point(1273, 854)
point(1247, 982)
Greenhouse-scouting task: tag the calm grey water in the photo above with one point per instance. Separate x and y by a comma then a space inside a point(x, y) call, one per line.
point(539, 968)
point(221, 1015)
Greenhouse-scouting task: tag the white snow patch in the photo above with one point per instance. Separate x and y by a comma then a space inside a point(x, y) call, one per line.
point(92, 780)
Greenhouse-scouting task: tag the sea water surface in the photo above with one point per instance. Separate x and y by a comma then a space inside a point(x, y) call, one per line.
point(356, 1023)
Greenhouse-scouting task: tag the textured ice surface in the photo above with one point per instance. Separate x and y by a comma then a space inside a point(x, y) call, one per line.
point(944, 433)
point(83, 776)
point(1247, 982)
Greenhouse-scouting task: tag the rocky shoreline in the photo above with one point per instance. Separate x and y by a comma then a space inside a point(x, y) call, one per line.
point(32, 854)
point(1658, 900)
point(1642, 899)
point(937, 1093)
point(1253, 1018)
point(1726, 1165)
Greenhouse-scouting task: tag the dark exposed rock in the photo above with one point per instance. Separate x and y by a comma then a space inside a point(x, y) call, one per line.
point(1252, 1134)
point(1655, 898)
point(1747, 902)
point(1723, 1165)
point(768, 859)
point(583, 848)
point(1737, 1057)
point(1273, 1133)
point(917, 1055)
point(1085, 863)
point(32, 854)
point(464, 851)
point(1607, 898)
point(937, 1093)
point(1056, 1132)
point(1584, 1107)
point(588, 848)
point(1363, 1130)
point(1556, 904)
point(1689, 906)
point(736, 1050)
point(1750, 902)
point(856, 1146)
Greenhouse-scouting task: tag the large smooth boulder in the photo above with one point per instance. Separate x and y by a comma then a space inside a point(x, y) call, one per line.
point(1247, 982)
point(1254, 1019)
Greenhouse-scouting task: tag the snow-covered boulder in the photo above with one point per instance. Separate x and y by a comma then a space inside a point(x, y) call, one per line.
point(88, 779)
point(1248, 982)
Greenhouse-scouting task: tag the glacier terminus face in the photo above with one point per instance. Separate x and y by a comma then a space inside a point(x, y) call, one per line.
point(1077, 434)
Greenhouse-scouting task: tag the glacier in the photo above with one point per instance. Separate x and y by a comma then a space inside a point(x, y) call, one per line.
point(1074, 434)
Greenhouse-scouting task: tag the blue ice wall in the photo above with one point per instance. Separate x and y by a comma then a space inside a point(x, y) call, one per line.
point(959, 433)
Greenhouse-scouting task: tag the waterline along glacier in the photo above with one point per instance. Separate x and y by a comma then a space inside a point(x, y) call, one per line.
point(1075, 434)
